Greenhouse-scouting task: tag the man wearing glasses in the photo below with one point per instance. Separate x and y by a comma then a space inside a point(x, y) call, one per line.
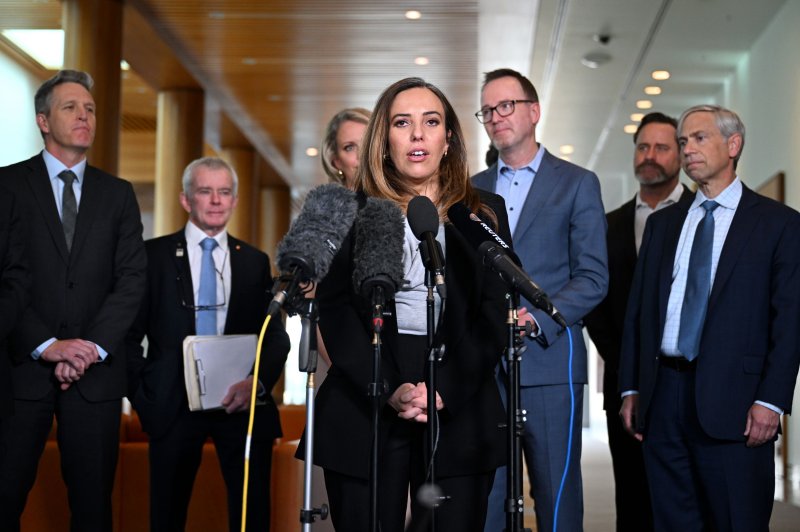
point(558, 225)
point(203, 281)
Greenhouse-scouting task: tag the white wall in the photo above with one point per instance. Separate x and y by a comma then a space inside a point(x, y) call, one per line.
point(21, 138)
point(766, 93)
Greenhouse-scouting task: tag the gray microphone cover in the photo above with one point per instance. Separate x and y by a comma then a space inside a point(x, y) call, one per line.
point(317, 233)
point(378, 249)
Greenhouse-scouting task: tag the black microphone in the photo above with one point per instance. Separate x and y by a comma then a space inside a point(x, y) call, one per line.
point(501, 259)
point(306, 252)
point(379, 234)
point(423, 218)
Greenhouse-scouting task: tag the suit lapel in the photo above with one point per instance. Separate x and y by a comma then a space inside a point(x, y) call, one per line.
point(629, 239)
point(91, 194)
point(39, 182)
point(742, 226)
point(487, 180)
point(180, 258)
point(235, 257)
point(544, 183)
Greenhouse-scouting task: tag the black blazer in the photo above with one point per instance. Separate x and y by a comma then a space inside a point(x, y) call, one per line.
point(157, 388)
point(14, 286)
point(471, 440)
point(606, 321)
point(749, 344)
point(93, 292)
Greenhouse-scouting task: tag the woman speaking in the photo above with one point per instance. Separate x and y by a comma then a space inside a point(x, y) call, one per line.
point(414, 146)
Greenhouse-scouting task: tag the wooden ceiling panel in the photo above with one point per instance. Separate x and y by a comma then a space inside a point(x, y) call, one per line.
point(289, 66)
point(31, 15)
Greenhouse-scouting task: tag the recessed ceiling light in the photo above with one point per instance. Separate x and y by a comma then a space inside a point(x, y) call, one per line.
point(660, 75)
point(124, 65)
point(421, 61)
point(644, 104)
point(46, 47)
point(595, 59)
point(413, 14)
point(567, 149)
point(652, 90)
point(630, 129)
point(637, 117)
point(312, 152)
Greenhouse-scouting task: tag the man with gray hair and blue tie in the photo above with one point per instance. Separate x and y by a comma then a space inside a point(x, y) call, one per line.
point(203, 281)
point(711, 346)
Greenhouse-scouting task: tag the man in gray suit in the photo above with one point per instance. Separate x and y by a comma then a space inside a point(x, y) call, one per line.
point(558, 226)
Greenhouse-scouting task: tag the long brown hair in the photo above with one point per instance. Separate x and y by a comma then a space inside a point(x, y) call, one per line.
point(377, 175)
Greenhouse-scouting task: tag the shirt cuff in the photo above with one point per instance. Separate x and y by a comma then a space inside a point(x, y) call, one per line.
point(37, 353)
point(771, 407)
point(538, 329)
point(629, 392)
point(101, 352)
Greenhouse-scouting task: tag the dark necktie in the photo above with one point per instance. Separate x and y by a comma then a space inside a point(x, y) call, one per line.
point(69, 206)
point(698, 284)
point(207, 295)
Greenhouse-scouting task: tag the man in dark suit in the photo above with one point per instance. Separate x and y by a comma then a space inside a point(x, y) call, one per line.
point(710, 350)
point(174, 308)
point(14, 286)
point(558, 226)
point(657, 166)
point(87, 259)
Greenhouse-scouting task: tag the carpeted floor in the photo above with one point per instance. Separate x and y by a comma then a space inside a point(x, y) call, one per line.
point(598, 493)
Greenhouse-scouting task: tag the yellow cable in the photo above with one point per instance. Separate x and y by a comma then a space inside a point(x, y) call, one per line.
point(253, 393)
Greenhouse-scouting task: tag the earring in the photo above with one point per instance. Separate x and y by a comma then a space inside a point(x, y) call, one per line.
point(339, 173)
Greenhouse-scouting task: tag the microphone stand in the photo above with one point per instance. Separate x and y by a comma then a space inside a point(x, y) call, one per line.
point(434, 355)
point(307, 357)
point(515, 420)
point(375, 389)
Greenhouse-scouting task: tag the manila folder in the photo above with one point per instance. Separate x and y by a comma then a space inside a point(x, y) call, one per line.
point(211, 364)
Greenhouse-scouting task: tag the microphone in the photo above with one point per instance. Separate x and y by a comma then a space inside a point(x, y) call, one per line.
point(379, 233)
point(501, 259)
point(423, 218)
point(306, 252)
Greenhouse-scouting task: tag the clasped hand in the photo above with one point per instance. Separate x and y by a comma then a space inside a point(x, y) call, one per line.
point(411, 402)
point(72, 357)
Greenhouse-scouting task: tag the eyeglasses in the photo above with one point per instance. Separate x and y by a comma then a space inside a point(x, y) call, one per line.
point(504, 108)
point(186, 305)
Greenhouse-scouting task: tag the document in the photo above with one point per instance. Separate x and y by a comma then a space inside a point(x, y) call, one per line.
point(211, 364)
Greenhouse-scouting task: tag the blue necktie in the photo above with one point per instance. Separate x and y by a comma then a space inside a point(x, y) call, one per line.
point(698, 284)
point(207, 296)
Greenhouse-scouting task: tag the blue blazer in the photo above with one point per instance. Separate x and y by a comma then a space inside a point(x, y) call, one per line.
point(561, 239)
point(750, 344)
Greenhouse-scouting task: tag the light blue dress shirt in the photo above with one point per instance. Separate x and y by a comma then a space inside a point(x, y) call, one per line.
point(513, 184)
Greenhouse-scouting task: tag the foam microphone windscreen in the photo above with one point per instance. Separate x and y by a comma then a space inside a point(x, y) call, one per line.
point(379, 233)
point(317, 233)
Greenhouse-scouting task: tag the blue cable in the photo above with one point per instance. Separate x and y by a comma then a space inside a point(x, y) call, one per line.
point(569, 440)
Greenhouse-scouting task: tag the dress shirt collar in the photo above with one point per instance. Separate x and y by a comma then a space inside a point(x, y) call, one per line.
point(194, 235)
point(55, 167)
point(533, 165)
point(728, 198)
